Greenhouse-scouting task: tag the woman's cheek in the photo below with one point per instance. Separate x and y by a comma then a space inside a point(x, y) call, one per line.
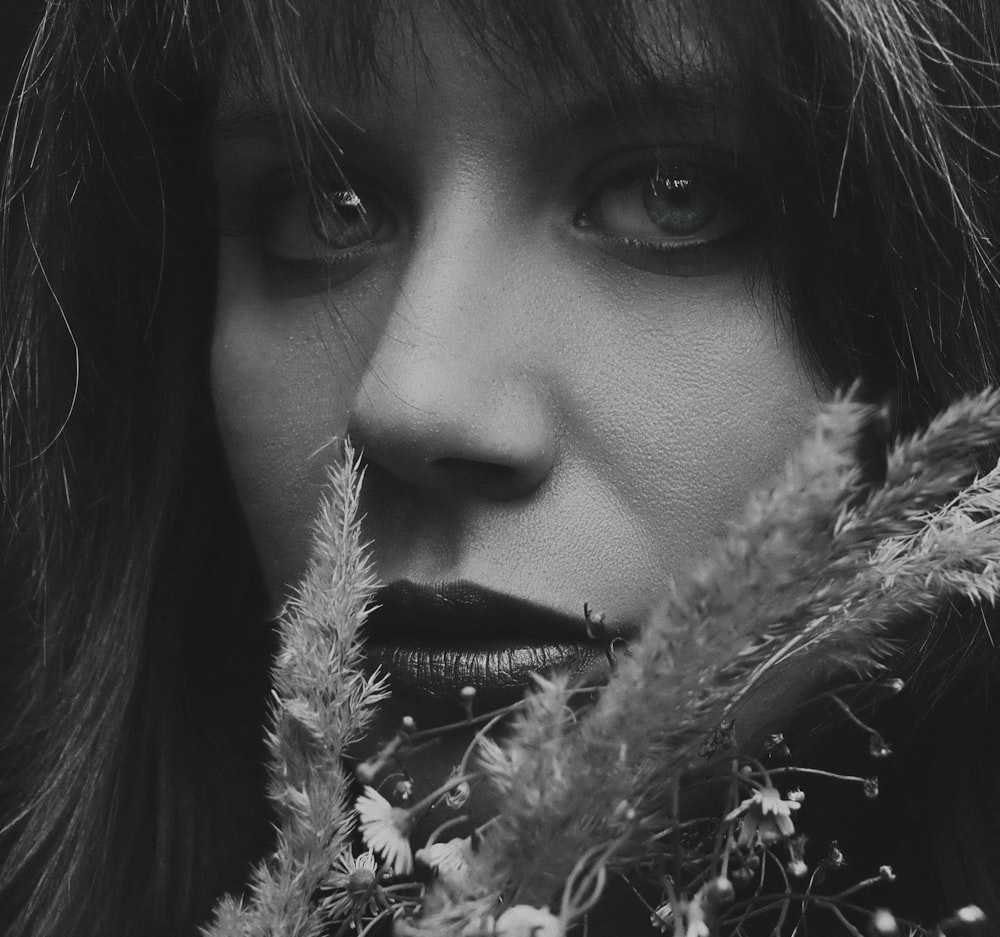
point(697, 400)
point(274, 416)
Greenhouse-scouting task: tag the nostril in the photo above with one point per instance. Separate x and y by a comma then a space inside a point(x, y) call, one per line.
point(495, 480)
point(490, 473)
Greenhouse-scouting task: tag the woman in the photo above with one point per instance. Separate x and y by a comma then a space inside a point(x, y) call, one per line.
point(575, 277)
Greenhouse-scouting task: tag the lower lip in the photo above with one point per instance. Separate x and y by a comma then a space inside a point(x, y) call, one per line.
point(499, 671)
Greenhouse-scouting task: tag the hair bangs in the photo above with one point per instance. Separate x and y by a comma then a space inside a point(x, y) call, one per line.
point(617, 48)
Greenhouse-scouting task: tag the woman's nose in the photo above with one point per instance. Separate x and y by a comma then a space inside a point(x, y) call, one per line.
point(448, 400)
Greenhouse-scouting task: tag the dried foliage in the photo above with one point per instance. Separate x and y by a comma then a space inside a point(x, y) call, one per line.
point(831, 571)
point(323, 702)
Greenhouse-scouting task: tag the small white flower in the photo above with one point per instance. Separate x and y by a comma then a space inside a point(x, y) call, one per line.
point(767, 818)
point(522, 920)
point(353, 887)
point(386, 830)
point(693, 917)
point(662, 917)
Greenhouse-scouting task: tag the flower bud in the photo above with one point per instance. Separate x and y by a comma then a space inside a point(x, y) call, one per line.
point(623, 811)
point(720, 891)
point(797, 868)
point(360, 882)
point(467, 695)
point(883, 924)
point(835, 858)
point(596, 629)
point(877, 746)
point(458, 796)
point(741, 876)
point(775, 746)
point(971, 914)
point(367, 771)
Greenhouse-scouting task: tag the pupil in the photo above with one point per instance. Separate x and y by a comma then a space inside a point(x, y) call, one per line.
point(679, 205)
point(341, 220)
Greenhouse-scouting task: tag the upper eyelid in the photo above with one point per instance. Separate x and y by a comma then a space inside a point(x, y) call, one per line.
point(728, 181)
point(330, 180)
point(248, 162)
point(706, 162)
point(265, 189)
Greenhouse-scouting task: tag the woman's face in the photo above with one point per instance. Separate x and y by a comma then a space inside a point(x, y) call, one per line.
point(537, 311)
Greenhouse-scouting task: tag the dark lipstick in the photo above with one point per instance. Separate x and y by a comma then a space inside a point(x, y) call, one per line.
point(433, 640)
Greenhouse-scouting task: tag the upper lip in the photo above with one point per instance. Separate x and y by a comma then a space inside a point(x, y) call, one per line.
point(461, 612)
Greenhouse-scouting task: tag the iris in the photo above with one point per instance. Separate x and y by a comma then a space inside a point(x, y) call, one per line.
point(342, 220)
point(680, 205)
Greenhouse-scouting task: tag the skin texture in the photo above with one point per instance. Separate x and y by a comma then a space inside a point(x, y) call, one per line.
point(543, 412)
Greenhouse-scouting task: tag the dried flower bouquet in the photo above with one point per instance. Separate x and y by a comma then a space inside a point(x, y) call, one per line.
point(833, 570)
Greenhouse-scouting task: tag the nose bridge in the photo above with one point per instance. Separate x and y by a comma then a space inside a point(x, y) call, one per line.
point(449, 396)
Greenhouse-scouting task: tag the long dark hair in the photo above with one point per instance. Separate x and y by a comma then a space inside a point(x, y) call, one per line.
point(136, 651)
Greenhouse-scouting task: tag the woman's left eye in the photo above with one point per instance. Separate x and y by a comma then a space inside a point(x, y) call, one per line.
point(665, 210)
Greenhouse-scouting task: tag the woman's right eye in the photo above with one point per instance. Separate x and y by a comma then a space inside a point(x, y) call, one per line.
point(343, 220)
point(324, 224)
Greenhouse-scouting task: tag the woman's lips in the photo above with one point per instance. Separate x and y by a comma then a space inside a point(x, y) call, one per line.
point(434, 640)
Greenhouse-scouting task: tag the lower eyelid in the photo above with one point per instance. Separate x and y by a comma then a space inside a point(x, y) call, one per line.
point(684, 259)
point(300, 277)
point(332, 259)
